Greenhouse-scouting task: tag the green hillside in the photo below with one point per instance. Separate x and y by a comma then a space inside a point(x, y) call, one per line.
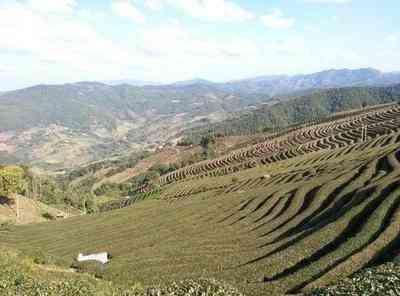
point(313, 106)
point(23, 276)
point(37, 276)
point(297, 212)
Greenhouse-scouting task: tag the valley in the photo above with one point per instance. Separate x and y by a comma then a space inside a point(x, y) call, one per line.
point(56, 127)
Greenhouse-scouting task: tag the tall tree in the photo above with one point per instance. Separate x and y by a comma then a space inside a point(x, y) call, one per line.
point(11, 181)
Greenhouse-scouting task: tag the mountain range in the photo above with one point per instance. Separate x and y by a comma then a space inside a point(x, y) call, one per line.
point(274, 85)
point(65, 125)
point(280, 84)
point(132, 82)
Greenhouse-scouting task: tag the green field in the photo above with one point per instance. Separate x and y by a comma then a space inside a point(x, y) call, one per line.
point(300, 211)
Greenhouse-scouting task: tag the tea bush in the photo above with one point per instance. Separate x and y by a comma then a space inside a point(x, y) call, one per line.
point(380, 281)
point(19, 276)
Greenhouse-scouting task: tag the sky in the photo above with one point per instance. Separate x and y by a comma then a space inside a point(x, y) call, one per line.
point(60, 41)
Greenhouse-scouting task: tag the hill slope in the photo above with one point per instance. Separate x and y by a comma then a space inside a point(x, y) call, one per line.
point(66, 125)
point(310, 107)
point(299, 211)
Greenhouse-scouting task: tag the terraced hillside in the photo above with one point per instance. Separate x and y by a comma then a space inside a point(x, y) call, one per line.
point(302, 210)
point(340, 130)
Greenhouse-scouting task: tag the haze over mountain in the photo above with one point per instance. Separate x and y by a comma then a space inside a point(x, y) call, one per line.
point(75, 122)
point(193, 82)
point(279, 84)
point(132, 82)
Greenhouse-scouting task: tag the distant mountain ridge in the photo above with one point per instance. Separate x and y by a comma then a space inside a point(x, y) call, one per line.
point(85, 121)
point(132, 82)
point(271, 84)
point(281, 84)
point(192, 82)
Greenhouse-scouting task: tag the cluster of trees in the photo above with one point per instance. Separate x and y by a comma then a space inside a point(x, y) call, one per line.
point(208, 144)
point(185, 142)
point(60, 191)
point(119, 164)
point(113, 190)
point(55, 191)
point(12, 181)
point(52, 191)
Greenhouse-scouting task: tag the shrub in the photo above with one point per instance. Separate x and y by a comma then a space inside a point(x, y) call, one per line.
point(206, 141)
point(48, 216)
point(41, 258)
point(200, 287)
point(93, 267)
point(185, 142)
point(380, 281)
point(6, 225)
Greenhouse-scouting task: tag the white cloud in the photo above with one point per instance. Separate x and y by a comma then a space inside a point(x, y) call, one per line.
point(213, 10)
point(4, 68)
point(335, 18)
point(349, 55)
point(328, 1)
point(85, 14)
point(385, 53)
point(125, 8)
point(175, 41)
point(52, 6)
point(277, 20)
point(49, 44)
point(53, 42)
point(392, 38)
point(42, 47)
point(294, 47)
point(91, 15)
point(312, 29)
point(154, 4)
point(241, 47)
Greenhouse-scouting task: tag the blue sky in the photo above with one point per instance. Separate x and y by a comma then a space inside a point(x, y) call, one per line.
point(58, 41)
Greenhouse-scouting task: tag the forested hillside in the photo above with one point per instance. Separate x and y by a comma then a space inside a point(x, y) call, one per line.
point(313, 106)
